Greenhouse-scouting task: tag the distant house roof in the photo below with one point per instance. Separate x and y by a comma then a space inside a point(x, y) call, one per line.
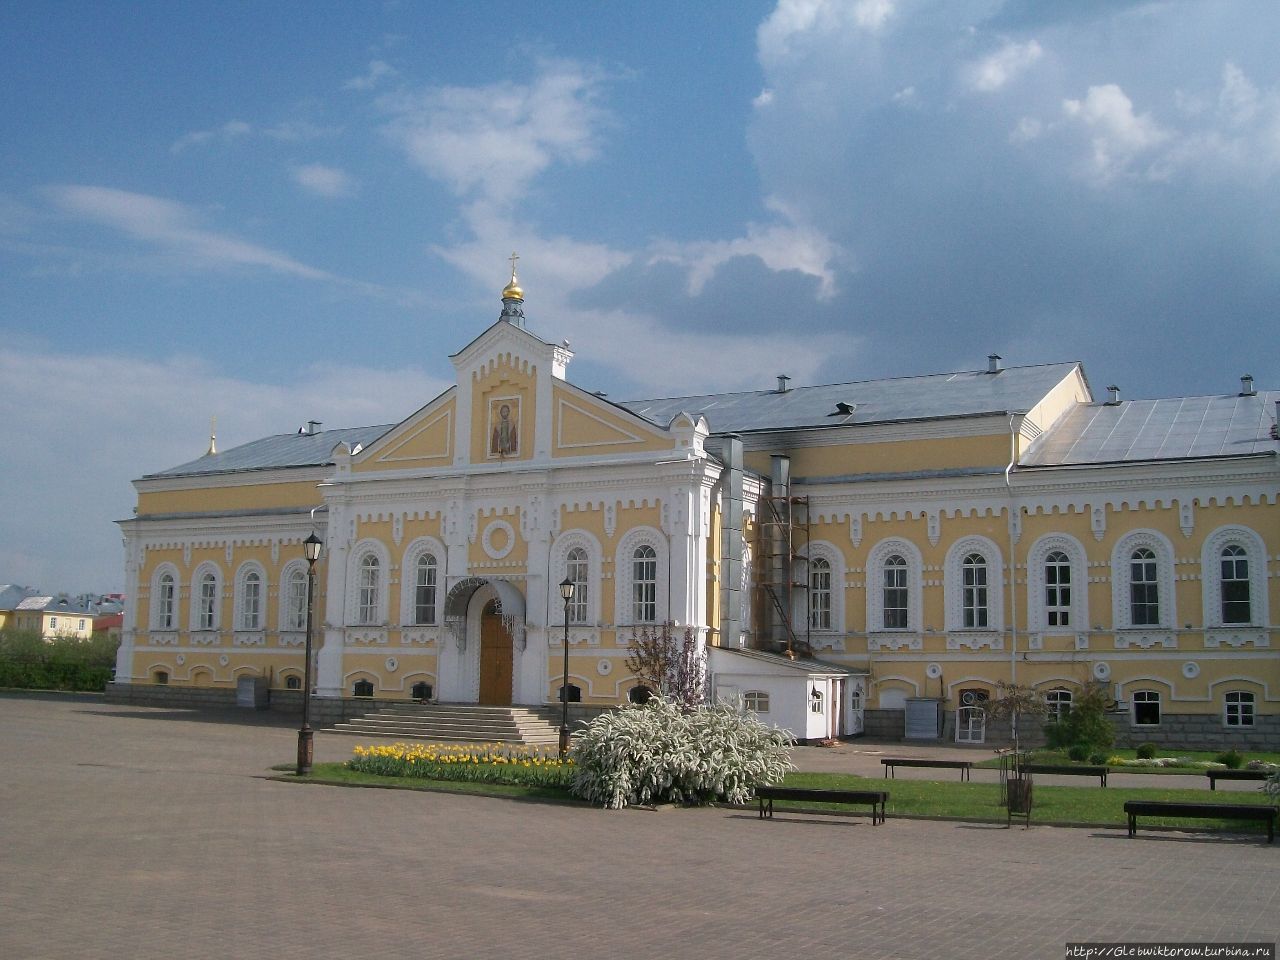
point(1139, 430)
point(282, 450)
point(966, 393)
point(11, 594)
point(55, 605)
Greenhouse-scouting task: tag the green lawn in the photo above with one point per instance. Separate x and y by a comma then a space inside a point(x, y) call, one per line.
point(1060, 757)
point(1079, 806)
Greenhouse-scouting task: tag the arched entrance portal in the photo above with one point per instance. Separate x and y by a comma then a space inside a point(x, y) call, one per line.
point(496, 657)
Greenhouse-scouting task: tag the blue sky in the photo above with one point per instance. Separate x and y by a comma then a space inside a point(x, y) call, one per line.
point(275, 212)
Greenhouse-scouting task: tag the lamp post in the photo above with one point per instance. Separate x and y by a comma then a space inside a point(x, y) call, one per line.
point(566, 591)
point(311, 548)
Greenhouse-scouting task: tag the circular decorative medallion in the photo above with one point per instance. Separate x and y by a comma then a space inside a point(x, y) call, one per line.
point(392, 663)
point(604, 667)
point(1102, 670)
point(1190, 670)
point(499, 539)
point(182, 658)
point(224, 659)
point(933, 671)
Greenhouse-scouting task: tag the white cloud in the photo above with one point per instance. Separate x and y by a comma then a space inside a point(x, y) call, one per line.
point(173, 228)
point(783, 245)
point(993, 72)
point(490, 142)
point(116, 417)
point(324, 181)
point(229, 131)
point(794, 22)
point(378, 71)
point(1119, 134)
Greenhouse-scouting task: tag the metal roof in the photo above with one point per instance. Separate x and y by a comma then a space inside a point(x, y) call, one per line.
point(966, 393)
point(282, 450)
point(1173, 429)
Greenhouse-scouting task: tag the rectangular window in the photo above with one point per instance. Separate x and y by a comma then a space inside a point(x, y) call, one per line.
point(1146, 708)
point(53, 623)
point(1144, 590)
point(251, 612)
point(757, 701)
point(81, 624)
point(895, 598)
point(820, 596)
point(1057, 591)
point(1239, 710)
point(975, 593)
point(1235, 586)
point(576, 572)
point(208, 599)
point(644, 586)
point(297, 607)
point(424, 595)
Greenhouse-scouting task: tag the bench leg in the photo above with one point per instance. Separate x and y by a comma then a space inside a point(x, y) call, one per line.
point(1213, 784)
point(1133, 825)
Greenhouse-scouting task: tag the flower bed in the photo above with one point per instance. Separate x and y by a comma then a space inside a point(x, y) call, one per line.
point(479, 763)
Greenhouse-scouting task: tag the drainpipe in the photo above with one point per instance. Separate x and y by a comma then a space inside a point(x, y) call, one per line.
point(1013, 565)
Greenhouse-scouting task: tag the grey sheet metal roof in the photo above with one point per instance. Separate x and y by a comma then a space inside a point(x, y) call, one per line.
point(282, 450)
point(1174, 429)
point(966, 393)
point(806, 665)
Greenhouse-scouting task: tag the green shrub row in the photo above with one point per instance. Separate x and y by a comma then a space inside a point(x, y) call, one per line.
point(31, 663)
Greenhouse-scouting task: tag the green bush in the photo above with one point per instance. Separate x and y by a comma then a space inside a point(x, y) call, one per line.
point(1146, 751)
point(1098, 758)
point(656, 754)
point(1078, 752)
point(1086, 723)
point(1232, 759)
point(64, 663)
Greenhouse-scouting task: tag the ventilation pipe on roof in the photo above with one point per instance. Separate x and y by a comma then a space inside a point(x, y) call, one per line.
point(311, 429)
point(1246, 386)
point(782, 382)
point(993, 363)
point(1115, 395)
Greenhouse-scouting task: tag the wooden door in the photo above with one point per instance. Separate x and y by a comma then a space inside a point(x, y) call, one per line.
point(495, 659)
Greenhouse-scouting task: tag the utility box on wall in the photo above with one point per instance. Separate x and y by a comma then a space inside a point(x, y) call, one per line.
point(253, 692)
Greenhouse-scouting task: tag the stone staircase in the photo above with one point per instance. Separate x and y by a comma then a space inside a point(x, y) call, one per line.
point(458, 723)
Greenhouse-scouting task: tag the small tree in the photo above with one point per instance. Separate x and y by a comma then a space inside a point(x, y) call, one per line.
point(1016, 701)
point(1086, 724)
point(676, 670)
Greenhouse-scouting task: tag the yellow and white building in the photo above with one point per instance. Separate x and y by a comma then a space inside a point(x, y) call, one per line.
point(872, 555)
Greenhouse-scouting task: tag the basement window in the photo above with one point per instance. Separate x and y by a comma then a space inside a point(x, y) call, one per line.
point(362, 688)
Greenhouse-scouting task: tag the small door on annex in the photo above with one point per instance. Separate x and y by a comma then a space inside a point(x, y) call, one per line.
point(495, 659)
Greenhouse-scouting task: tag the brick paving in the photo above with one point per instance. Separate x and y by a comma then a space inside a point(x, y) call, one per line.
point(147, 833)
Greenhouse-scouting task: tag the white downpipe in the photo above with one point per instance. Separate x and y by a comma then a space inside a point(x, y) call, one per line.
point(1013, 565)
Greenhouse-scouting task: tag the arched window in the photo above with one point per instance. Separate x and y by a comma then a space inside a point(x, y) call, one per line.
point(1057, 589)
point(1146, 708)
point(819, 594)
point(576, 571)
point(1144, 588)
point(206, 601)
point(1059, 701)
point(362, 688)
point(644, 584)
point(1238, 709)
point(166, 598)
point(370, 591)
point(251, 601)
point(1235, 585)
point(575, 693)
point(295, 601)
point(894, 593)
point(425, 573)
point(974, 600)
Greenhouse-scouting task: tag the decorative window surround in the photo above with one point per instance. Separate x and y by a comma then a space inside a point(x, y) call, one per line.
point(416, 550)
point(875, 593)
point(163, 639)
point(1121, 581)
point(567, 541)
point(422, 636)
point(1211, 562)
point(205, 638)
point(164, 598)
point(1078, 610)
point(624, 564)
point(827, 641)
point(367, 635)
point(885, 640)
point(832, 635)
point(992, 590)
point(293, 639)
point(1236, 637)
point(249, 638)
point(974, 640)
point(577, 638)
point(1146, 639)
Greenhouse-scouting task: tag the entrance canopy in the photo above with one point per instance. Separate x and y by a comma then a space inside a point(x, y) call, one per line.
point(510, 603)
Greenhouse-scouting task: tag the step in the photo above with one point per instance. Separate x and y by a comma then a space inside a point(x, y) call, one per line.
point(456, 723)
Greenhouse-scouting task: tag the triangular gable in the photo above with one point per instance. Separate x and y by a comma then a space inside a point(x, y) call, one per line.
point(425, 439)
point(586, 425)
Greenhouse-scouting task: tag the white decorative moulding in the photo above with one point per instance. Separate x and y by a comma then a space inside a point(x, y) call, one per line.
point(205, 638)
point(164, 639)
point(423, 636)
point(293, 639)
point(894, 641)
point(250, 638)
point(1035, 641)
point(1227, 637)
point(367, 635)
point(977, 640)
point(1145, 639)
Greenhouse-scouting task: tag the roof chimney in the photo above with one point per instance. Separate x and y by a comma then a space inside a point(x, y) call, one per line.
point(993, 363)
point(1246, 386)
point(782, 382)
point(1115, 395)
point(313, 427)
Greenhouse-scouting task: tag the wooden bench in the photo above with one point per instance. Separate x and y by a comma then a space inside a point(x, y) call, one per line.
point(876, 798)
point(1216, 775)
point(1069, 770)
point(964, 766)
point(1202, 811)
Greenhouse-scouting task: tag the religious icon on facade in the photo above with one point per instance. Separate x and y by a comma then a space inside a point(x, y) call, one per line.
point(504, 433)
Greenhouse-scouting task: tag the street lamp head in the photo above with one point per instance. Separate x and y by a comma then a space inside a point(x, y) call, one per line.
point(311, 548)
point(566, 589)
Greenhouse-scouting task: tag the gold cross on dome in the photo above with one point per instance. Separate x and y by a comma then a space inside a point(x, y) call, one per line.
point(513, 258)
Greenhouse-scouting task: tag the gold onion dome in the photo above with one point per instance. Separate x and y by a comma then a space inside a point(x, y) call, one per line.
point(512, 290)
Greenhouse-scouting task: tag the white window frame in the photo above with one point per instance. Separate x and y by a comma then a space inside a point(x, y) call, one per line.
point(1145, 696)
point(1057, 699)
point(357, 615)
point(1211, 576)
point(876, 559)
point(1037, 584)
point(258, 623)
point(1122, 580)
point(1245, 712)
point(413, 554)
point(566, 543)
point(756, 701)
point(954, 585)
point(624, 574)
point(803, 600)
point(199, 622)
point(287, 622)
point(158, 622)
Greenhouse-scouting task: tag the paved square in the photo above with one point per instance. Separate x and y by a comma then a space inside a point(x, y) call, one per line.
point(151, 835)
